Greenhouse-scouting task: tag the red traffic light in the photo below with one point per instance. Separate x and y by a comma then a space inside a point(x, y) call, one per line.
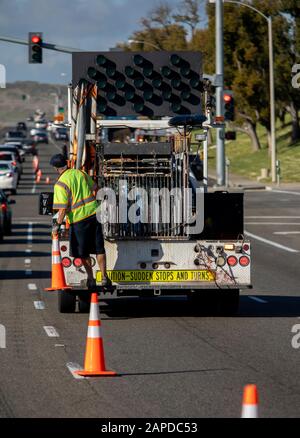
point(35, 39)
point(227, 98)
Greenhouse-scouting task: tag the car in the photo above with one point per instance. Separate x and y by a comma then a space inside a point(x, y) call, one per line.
point(15, 135)
point(11, 158)
point(61, 134)
point(5, 208)
point(8, 176)
point(29, 147)
point(21, 126)
point(41, 124)
point(40, 137)
point(14, 149)
point(19, 146)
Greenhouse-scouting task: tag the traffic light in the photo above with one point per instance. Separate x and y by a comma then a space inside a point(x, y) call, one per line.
point(230, 135)
point(228, 106)
point(139, 83)
point(35, 40)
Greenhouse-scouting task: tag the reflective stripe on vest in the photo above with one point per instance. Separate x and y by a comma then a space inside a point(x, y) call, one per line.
point(81, 201)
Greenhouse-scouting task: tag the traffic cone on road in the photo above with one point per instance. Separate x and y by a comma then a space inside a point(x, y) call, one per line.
point(35, 163)
point(58, 281)
point(94, 362)
point(250, 402)
point(38, 176)
point(47, 180)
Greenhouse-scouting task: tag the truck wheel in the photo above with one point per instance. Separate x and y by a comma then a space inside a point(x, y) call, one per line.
point(229, 302)
point(84, 301)
point(66, 301)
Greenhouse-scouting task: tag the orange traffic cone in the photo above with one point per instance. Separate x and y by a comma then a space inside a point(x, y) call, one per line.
point(35, 163)
point(58, 281)
point(94, 362)
point(47, 180)
point(38, 176)
point(250, 402)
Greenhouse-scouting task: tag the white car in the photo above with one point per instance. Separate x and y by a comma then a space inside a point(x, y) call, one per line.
point(41, 124)
point(10, 158)
point(8, 177)
point(19, 145)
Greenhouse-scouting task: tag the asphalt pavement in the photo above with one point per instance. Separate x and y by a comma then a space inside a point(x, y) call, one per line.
point(171, 362)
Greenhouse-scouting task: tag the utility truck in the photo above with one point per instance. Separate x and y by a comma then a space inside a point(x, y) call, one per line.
point(165, 232)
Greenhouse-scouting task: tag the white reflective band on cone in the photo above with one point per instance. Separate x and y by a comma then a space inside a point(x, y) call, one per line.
point(56, 259)
point(94, 312)
point(250, 411)
point(94, 332)
point(55, 245)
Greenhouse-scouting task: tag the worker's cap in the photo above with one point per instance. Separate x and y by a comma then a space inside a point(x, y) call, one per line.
point(58, 160)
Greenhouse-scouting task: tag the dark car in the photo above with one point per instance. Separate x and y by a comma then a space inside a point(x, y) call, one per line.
point(40, 137)
point(6, 213)
point(61, 134)
point(21, 126)
point(29, 147)
point(15, 135)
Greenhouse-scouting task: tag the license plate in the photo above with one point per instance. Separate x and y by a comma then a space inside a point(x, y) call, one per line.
point(178, 276)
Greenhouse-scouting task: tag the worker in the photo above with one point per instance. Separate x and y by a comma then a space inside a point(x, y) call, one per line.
point(74, 197)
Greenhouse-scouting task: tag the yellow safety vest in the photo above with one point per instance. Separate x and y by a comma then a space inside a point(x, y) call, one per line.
point(73, 191)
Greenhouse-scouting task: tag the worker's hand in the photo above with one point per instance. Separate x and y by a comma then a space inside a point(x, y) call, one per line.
point(55, 229)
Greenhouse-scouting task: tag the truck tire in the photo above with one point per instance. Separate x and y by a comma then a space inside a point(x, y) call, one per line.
point(84, 301)
point(229, 302)
point(66, 301)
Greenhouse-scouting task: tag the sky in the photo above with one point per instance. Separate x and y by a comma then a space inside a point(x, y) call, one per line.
point(85, 24)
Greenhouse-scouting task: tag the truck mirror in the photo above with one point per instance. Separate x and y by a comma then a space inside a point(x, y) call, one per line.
point(46, 204)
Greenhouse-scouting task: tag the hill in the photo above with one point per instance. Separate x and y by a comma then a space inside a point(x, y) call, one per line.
point(20, 99)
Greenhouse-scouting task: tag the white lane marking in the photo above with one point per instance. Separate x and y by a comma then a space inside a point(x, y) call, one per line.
point(270, 242)
point(39, 305)
point(286, 233)
point(29, 232)
point(287, 192)
point(259, 300)
point(272, 217)
point(33, 189)
point(272, 223)
point(72, 367)
point(32, 286)
point(28, 251)
point(27, 261)
point(28, 272)
point(51, 331)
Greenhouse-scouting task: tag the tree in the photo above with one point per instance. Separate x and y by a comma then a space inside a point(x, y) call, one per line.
point(189, 14)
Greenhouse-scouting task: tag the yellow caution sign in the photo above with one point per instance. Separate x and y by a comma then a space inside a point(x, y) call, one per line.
point(138, 276)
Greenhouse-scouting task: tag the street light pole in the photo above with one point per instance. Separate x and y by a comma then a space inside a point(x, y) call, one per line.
point(272, 102)
point(145, 43)
point(272, 82)
point(219, 91)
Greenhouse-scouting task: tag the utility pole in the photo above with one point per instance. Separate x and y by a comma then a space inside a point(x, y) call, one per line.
point(219, 91)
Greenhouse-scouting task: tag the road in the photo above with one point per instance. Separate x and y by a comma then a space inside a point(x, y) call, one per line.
point(171, 362)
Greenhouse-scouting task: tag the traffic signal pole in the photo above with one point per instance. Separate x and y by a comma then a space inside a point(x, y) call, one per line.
point(43, 45)
point(220, 132)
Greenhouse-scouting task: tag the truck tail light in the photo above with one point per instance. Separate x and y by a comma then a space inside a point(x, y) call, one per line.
point(63, 248)
point(232, 261)
point(77, 263)
point(3, 207)
point(246, 247)
point(66, 262)
point(244, 261)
